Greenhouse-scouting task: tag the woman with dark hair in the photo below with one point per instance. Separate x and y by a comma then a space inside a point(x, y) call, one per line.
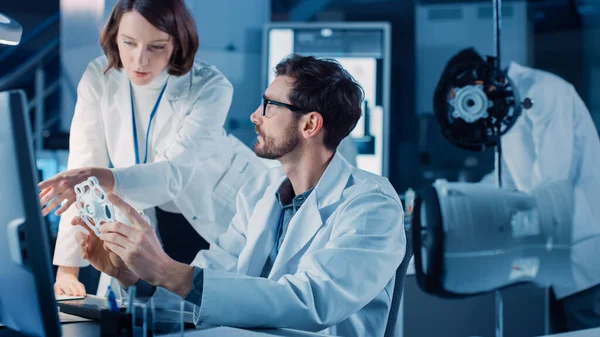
point(141, 107)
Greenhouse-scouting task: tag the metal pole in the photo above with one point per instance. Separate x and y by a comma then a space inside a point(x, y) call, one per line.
point(498, 163)
point(499, 315)
point(499, 303)
point(497, 26)
point(39, 108)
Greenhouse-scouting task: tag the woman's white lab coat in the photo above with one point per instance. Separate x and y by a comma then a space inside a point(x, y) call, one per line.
point(188, 128)
point(556, 140)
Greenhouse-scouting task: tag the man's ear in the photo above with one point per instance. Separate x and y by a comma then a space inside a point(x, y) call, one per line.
point(312, 123)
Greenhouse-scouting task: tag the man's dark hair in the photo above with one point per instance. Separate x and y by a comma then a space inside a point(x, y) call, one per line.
point(169, 16)
point(324, 86)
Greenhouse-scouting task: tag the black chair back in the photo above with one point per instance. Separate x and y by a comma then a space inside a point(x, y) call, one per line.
point(399, 287)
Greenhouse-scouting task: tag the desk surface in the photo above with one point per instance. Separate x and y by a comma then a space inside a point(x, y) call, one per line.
point(581, 333)
point(93, 329)
point(234, 332)
point(68, 330)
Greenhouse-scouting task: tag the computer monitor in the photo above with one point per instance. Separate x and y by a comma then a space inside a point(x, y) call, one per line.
point(27, 303)
point(363, 49)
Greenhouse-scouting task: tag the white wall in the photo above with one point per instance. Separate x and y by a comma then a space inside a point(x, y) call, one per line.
point(230, 33)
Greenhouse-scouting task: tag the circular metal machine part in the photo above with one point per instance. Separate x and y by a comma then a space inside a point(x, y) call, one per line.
point(475, 104)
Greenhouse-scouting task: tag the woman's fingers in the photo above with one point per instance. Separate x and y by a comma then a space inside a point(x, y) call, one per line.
point(48, 196)
point(65, 206)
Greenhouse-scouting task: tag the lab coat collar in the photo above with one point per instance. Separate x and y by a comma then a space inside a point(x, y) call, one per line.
point(333, 182)
point(307, 221)
point(179, 87)
point(122, 102)
point(262, 225)
point(261, 228)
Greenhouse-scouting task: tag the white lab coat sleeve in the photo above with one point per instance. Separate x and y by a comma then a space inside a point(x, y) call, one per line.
point(224, 253)
point(200, 139)
point(366, 247)
point(148, 185)
point(586, 159)
point(87, 148)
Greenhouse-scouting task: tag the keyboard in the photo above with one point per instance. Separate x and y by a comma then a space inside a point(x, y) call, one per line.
point(67, 297)
point(91, 306)
point(88, 307)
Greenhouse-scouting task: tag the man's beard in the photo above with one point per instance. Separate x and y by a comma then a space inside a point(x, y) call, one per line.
point(271, 148)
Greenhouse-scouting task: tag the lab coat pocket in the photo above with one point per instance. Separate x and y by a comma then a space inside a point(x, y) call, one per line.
point(227, 187)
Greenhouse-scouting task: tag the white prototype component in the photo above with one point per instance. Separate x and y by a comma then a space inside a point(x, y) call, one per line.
point(93, 207)
point(470, 103)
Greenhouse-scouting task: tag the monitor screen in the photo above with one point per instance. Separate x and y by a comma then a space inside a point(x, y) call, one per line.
point(363, 50)
point(27, 303)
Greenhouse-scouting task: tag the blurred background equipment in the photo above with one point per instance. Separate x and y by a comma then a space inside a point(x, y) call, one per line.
point(442, 28)
point(473, 238)
point(475, 104)
point(10, 31)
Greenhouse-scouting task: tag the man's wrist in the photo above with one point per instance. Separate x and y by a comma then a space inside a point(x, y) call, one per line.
point(127, 278)
point(177, 278)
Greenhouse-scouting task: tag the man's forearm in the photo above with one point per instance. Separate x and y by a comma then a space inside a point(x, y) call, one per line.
point(178, 279)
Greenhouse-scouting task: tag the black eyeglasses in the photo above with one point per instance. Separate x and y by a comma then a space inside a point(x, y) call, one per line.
point(266, 102)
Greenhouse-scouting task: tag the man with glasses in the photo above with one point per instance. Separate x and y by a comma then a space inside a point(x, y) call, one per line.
point(314, 249)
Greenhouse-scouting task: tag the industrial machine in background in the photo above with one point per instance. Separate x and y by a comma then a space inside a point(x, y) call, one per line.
point(441, 30)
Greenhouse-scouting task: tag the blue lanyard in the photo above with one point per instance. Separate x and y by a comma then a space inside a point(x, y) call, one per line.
point(135, 139)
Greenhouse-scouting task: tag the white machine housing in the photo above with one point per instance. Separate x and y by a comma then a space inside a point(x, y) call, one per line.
point(475, 238)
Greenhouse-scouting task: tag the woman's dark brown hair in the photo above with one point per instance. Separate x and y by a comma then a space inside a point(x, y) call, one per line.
point(169, 16)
